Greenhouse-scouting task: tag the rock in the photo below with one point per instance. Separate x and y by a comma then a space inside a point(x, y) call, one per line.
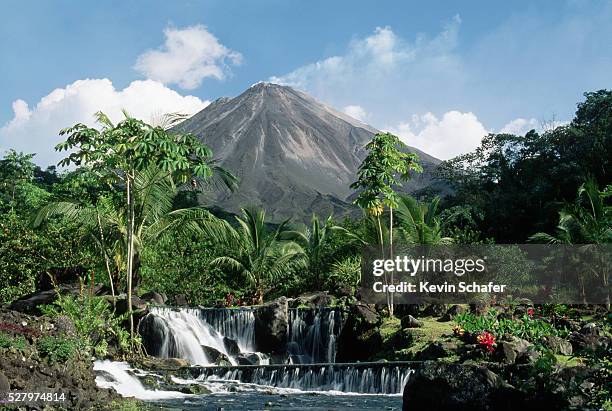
point(458, 387)
point(366, 313)
point(153, 297)
point(438, 349)
point(163, 364)
point(479, 308)
point(571, 325)
point(360, 337)
point(590, 329)
point(312, 300)
point(248, 359)
point(121, 305)
point(434, 310)
point(411, 322)
point(214, 355)
point(589, 342)
point(558, 345)
point(271, 326)
point(510, 350)
point(64, 326)
point(4, 383)
point(403, 310)
point(180, 300)
point(196, 389)
point(343, 291)
point(452, 312)
point(231, 346)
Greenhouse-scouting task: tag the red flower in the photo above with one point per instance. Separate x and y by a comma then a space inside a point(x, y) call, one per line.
point(486, 340)
point(530, 312)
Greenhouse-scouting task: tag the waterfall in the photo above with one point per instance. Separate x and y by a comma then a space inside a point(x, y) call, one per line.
point(201, 335)
point(118, 375)
point(367, 378)
point(192, 334)
point(312, 335)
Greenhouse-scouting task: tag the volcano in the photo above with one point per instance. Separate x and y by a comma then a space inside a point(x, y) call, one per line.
point(293, 155)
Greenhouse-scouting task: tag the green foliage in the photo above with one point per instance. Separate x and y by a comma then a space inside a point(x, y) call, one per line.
point(520, 183)
point(419, 223)
point(385, 166)
point(9, 342)
point(531, 329)
point(346, 273)
point(94, 321)
point(58, 349)
point(254, 252)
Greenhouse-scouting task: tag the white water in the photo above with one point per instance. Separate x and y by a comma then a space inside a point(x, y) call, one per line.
point(186, 332)
point(116, 375)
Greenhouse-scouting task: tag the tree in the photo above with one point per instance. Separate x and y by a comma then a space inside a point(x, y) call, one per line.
point(586, 221)
point(419, 223)
point(255, 252)
point(315, 241)
point(381, 171)
point(117, 153)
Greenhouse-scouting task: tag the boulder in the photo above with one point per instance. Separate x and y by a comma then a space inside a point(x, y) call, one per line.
point(438, 349)
point(458, 387)
point(121, 305)
point(360, 337)
point(215, 355)
point(180, 300)
point(231, 346)
point(163, 364)
point(312, 300)
point(589, 342)
point(153, 297)
point(410, 322)
point(452, 312)
point(509, 351)
point(365, 313)
point(4, 383)
point(434, 310)
point(271, 326)
point(248, 359)
point(558, 345)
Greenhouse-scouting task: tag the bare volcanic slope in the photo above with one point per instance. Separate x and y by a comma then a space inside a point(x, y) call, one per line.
point(292, 154)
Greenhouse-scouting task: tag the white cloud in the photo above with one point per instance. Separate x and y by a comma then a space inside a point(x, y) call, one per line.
point(453, 134)
point(36, 129)
point(187, 57)
point(385, 72)
point(520, 126)
point(357, 112)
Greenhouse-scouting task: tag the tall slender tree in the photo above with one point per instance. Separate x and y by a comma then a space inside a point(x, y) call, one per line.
point(385, 167)
point(117, 153)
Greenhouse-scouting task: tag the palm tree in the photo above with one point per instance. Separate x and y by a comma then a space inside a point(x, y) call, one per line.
point(106, 222)
point(315, 240)
point(419, 223)
point(255, 252)
point(587, 221)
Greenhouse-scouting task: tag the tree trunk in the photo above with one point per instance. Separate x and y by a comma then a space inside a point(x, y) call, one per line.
point(382, 256)
point(108, 270)
point(130, 245)
point(391, 308)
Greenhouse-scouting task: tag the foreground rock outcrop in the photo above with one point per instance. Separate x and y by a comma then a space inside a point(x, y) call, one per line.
point(33, 358)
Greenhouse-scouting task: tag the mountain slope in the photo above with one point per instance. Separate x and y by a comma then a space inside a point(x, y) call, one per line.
point(292, 154)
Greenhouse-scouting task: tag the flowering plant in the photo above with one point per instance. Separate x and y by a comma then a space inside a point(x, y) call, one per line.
point(487, 341)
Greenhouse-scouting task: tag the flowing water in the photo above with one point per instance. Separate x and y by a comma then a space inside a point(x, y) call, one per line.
point(221, 346)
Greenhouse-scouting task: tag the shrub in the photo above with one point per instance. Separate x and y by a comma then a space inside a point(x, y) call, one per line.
point(58, 349)
point(7, 341)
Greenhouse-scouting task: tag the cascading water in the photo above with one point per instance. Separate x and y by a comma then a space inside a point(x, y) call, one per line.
point(366, 378)
point(312, 335)
point(201, 335)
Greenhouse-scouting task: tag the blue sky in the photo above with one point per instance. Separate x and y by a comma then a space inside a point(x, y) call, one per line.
point(439, 74)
